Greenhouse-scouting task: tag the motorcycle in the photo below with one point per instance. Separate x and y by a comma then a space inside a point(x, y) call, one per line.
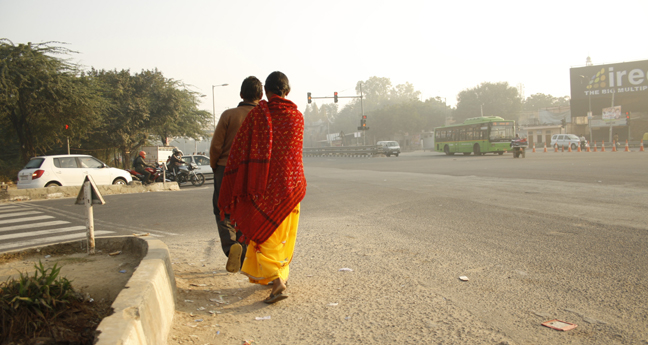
point(156, 174)
point(519, 146)
point(187, 173)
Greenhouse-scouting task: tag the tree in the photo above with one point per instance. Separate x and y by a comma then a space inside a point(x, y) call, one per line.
point(312, 113)
point(539, 101)
point(173, 108)
point(376, 92)
point(125, 114)
point(493, 99)
point(142, 105)
point(404, 93)
point(40, 94)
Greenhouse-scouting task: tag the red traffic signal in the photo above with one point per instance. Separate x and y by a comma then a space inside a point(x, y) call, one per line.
point(335, 98)
point(67, 127)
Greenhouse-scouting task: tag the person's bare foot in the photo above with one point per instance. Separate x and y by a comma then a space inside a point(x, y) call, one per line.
point(278, 286)
point(278, 292)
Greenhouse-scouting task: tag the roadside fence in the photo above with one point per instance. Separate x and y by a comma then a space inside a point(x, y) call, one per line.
point(342, 151)
point(628, 146)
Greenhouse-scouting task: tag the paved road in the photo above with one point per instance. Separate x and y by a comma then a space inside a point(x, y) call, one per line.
point(554, 235)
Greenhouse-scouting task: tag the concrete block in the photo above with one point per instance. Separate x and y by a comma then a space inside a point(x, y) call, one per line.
point(143, 312)
point(71, 192)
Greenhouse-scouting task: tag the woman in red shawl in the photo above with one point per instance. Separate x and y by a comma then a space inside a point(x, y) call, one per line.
point(264, 183)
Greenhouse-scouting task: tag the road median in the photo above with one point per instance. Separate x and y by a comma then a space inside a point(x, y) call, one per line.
point(12, 194)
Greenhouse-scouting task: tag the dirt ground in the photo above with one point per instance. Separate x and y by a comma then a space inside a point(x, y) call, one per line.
point(327, 305)
point(99, 278)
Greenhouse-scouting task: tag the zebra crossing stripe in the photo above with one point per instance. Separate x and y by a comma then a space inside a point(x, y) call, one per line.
point(28, 219)
point(50, 240)
point(42, 232)
point(9, 209)
point(27, 213)
point(32, 225)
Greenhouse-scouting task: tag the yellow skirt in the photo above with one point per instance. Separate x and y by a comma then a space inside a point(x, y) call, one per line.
point(270, 260)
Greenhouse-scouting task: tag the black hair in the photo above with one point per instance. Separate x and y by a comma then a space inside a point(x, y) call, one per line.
point(277, 83)
point(251, 89)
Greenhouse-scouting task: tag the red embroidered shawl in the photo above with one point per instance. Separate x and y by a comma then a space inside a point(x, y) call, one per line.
point(264, 177)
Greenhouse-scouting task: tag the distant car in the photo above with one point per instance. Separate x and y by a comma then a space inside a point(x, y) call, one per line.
point(565, 140)
point(389, 148)
point(202, 163)
point(68, 170)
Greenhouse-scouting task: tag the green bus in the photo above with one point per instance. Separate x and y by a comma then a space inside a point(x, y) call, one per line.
point(479, 135)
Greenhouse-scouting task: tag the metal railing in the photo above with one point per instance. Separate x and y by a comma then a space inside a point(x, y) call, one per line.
point(341, 151)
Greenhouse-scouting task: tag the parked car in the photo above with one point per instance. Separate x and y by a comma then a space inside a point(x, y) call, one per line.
point(68, 170)
point(565, 140)
point(389, 148)
point(202, 163)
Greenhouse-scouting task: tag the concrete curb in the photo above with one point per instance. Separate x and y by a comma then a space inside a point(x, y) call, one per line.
point(13, 194)
point(143, 311)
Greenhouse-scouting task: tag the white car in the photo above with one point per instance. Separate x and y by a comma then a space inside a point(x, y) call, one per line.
point(565, 140)
point(68, 170)
point(202, 164)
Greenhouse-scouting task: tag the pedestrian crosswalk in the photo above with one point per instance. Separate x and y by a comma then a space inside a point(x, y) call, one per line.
point(24, 226)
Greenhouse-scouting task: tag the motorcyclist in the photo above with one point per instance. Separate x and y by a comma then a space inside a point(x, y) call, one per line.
point(175, 161)
point(140, 165)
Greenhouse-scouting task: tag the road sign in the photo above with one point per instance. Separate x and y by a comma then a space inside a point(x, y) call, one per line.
point(89, 195)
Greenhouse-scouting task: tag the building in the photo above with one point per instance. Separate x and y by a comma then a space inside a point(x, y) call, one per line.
point(614, 99)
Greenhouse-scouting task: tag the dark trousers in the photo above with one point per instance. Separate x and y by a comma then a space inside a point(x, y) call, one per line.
point(224, 226)
point(147, 175)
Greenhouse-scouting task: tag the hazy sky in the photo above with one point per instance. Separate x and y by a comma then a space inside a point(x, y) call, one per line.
point(326, 46)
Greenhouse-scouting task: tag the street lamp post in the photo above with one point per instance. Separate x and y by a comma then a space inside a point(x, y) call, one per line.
point(214, 103)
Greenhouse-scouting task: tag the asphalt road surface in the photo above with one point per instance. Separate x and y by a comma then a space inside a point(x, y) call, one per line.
point(551, 236)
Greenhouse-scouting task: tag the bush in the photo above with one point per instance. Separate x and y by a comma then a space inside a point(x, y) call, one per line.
point(28, 304)
point(9, 170)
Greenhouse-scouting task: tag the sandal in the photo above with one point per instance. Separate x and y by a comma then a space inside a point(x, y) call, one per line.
point(276, 298)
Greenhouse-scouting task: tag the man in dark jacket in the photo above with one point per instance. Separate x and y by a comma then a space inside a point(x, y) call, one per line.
point(140, 166)
point(228, 124)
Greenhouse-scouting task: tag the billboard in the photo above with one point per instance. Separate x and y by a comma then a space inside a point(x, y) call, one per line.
point(612, 113)
point(603, 86)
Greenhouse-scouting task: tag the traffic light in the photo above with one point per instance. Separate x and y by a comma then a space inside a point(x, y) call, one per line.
point(335, 97)
point(564, 123)
point(627, 118)
point(67, 127)
point(363, 122)
point(309, 98)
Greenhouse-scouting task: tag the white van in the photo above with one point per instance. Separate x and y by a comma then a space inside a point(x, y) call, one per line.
point(565, 140)
point(389, 148)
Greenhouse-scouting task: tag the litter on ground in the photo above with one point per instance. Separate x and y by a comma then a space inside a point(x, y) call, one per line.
point(559, 325)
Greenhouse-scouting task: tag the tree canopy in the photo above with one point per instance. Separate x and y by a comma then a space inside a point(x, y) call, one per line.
point(389, 109)
point(491, 99)
point(40, 93)
point(539, 101)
